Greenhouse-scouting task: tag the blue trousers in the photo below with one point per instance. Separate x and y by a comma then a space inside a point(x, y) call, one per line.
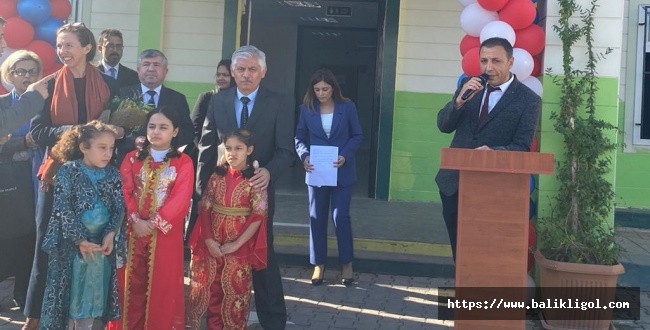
point(321, 199)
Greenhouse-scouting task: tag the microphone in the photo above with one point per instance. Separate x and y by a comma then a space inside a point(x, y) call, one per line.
point(484, 77)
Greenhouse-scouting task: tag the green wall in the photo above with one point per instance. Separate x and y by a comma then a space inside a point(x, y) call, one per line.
point(632, 178)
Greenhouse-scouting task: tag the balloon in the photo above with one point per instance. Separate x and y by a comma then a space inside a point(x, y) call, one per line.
point(498, 29)
point(61, 9)
point(8, 51)
point(534, 84)
point(46, 31)
point(6, 86)
point(473, 18)
point(460, 80)
point(523, 65)
point(534, 146)
point(470, 63)
point(532, 183)
point(537, 67)
point(34, 11)
point(51, 69)
point(531, 38)
point(8, 8)
point(466, 3)
point(468, 42)
point(18, 33)
point(44, 51)
point(3, 91)
point(518, 13)
point(493, 5)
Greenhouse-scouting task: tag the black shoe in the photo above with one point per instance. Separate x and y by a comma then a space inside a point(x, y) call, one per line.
point(347, 281)
point(316, 281)
point(317, 276)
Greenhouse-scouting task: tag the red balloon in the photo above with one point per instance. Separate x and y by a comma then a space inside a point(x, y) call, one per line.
point(518, 13)
point(51, 69)
point(492, 5)
point(18, 33)
point(537, 67)
point(531, 38)
point(3, 90)
point(534, 145)
point(471, 64)
point(44, 50)
point(8, 8)
point(61, 9)
point(468, 42)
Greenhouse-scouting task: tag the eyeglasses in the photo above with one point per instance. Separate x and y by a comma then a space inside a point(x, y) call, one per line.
point(23, 72)
point(114, 47)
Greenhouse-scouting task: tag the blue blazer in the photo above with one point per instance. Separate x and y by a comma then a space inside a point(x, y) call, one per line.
point(345, 134)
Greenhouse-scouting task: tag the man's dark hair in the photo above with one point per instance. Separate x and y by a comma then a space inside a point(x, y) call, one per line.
point(493, 42)
point(103, 36)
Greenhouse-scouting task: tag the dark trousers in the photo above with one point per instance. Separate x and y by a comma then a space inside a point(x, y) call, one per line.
point(269, 295)
point(450, 214)
point(321, 200)
point(37, 280)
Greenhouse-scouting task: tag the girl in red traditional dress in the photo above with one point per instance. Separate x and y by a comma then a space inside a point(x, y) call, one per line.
point(228, 241)
point(158, 182)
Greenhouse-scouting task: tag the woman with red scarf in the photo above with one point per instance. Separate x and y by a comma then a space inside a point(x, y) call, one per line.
point(79, 94)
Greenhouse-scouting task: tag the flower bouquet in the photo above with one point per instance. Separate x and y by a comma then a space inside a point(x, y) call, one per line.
point(128, 112)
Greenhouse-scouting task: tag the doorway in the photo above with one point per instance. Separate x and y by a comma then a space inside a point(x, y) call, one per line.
point(299, 37)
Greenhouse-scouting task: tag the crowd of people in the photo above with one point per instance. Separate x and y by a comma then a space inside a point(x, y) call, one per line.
point(101, 243)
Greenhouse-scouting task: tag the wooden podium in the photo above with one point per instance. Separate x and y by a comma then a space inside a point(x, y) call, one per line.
point(492, 241)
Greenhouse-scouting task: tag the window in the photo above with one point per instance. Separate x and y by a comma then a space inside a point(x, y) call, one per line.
point(642, 86)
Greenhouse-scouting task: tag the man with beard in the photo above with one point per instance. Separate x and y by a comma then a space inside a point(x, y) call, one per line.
point(111, 46)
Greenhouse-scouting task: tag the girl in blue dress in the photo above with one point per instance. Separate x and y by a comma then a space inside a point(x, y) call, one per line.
point(81, 287)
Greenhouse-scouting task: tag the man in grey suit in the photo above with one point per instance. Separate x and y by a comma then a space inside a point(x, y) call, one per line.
point(498, 114)
point(269, 118)
point(111, 46)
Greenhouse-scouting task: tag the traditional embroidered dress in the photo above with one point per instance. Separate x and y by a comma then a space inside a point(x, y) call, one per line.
point(88, 204)
point(157, 190)
point(222, 286)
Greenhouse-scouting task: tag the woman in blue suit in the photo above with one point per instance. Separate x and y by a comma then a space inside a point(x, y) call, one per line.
point(329, 119)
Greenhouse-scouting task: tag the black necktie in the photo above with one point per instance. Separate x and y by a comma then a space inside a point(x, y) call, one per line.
point(484, 109)
point(152, 101)
point(243, 119)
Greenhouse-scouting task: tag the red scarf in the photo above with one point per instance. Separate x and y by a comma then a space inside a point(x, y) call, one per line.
point(65, 110)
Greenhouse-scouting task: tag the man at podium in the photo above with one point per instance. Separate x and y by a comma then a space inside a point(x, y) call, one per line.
point(492, 112)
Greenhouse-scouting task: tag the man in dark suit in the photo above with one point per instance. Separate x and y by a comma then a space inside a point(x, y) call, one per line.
point(500, 114)
point(111, 46)
point(152, 70)
point(270, 119)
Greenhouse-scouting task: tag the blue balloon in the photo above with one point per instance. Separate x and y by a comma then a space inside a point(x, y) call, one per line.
point(46, 31)
point(34, 11)
point(532, 183)
point(536, 21)
point(532, 211)
point(460, 80)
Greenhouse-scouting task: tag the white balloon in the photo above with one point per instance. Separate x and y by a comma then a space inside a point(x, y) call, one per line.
point(474, 18)
point(466, 3)
point(498, 29)
point(534, 84)
point(523, 65)
point(8, 51)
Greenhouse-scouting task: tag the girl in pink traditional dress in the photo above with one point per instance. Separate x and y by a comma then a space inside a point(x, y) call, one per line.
point(228, 241)
point(158, 184)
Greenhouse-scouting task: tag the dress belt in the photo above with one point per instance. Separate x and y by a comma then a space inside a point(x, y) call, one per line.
point(233, 211)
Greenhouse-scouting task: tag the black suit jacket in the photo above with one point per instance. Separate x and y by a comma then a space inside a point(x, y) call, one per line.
point(125, 76)
point(168, 97)
point(271, 124)
point(510, 125)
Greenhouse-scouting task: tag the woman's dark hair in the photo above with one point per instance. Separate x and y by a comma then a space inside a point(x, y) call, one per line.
point(67, 148)
point(227, 63)
point(84, 35)
point(173, 117)
point(246, 138)
point(328, 77)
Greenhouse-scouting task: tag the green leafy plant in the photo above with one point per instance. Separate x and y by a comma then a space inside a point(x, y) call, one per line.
point(578, 231)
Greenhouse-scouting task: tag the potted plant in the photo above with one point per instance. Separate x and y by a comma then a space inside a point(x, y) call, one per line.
point(577, 239)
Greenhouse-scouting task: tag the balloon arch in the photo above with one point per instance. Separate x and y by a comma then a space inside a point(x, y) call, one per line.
point(513, 20)
point(32, 25)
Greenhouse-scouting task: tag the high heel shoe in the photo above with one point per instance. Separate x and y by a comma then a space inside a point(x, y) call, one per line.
point(31, 324)
point(346, 275)
point(317, 276)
